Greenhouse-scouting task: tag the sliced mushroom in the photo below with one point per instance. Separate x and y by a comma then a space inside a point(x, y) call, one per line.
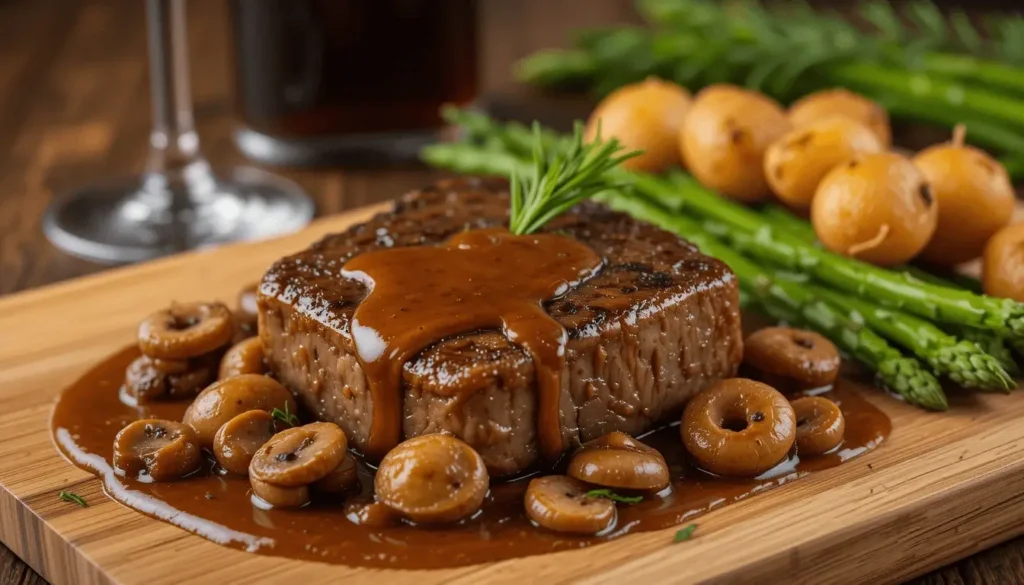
point(244, 357)
point(793, 354)
point(374, 514)
point(820, 425)
point(278, 496)
point(560, 503)
point(237, 440)
point(738, 428)
point(162, 449)
point(617, 460)
point(345, 477)
point(186, 330)
point(150, 379)
point(300, 456)
point(226, 399)
point(432, 478)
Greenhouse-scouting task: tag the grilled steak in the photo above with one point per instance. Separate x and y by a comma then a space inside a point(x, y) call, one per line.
point(657, 324)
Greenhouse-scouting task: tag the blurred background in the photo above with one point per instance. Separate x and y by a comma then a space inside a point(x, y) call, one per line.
point(96, 119)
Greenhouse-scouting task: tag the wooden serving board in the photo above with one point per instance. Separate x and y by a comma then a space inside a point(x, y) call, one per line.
point(942, 487)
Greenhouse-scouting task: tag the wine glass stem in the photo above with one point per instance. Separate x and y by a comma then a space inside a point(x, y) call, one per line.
point(174, 145)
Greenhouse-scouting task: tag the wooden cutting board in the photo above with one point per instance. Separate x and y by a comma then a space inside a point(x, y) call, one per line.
point(942, 487)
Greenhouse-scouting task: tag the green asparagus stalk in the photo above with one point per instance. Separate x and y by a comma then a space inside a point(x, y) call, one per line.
point(983, 132)
point(961, 360)
point(471, 159)
point(789, 224)
point(1014, 163)
point(930, 93)
point(792, 225)
point(732, 221)
point(991, 344)
point(926, 47)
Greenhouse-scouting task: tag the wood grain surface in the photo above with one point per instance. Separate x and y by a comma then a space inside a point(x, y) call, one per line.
point(74, 108)
point(943, 486)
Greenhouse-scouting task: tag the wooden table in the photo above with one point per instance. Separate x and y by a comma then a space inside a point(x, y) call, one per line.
point(74, 108)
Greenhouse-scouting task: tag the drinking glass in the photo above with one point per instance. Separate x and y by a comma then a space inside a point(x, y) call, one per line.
point(178, 203)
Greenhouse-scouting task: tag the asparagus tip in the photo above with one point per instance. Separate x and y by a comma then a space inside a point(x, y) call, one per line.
point(906, 376)
point(970, 367)
point(1015, 323)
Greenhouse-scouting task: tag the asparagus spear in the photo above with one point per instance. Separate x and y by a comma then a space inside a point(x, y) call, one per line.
point(792, 225)
point(788, 223)
point(993, 345)
point(732, 221)
point(990, 343)
point(961, 360)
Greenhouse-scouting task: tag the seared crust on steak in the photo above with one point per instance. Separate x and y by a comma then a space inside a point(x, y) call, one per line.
point(658, 323)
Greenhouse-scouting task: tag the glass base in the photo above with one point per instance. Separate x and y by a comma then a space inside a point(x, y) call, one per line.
point(355, 150)
point(147, 217)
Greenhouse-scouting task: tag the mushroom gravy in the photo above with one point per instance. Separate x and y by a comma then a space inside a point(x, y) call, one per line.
point(218, 507)
point(477, 280)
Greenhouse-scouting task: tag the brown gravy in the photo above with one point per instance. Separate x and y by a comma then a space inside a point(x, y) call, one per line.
point(90, 413)
point(478, 279)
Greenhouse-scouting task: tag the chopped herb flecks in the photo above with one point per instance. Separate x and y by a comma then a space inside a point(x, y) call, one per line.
point(73, 498)
point(684, 533)
point(284, 416)
point(610, 495)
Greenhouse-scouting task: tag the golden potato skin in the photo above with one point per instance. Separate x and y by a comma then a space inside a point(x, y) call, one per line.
point(643, 116)
point(1002, 269)
point(975, 200)
point(796, 163)
point(877, 208)
point(724, 138)
point(831, 102)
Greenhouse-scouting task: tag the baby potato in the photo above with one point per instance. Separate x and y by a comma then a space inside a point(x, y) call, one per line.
point(643, 116)
point(877, 207)
point(796, 163)
point(1002, 269)
point(842, 102)
point(724, 138)
point(975, 199)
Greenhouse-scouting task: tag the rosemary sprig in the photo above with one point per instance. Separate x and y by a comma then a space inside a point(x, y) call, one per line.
point(73, 498)
point(610, 495)
point(684, 533)
point(560, 181)
point(285, 417)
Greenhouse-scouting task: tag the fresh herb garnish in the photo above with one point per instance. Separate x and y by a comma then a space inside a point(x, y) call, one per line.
point(558, 183)
point(610, 495)
point(284, 416)
point(684, 533)
point(73, 498)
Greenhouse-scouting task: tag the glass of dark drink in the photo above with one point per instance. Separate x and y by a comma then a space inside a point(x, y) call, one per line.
point(349, 81)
